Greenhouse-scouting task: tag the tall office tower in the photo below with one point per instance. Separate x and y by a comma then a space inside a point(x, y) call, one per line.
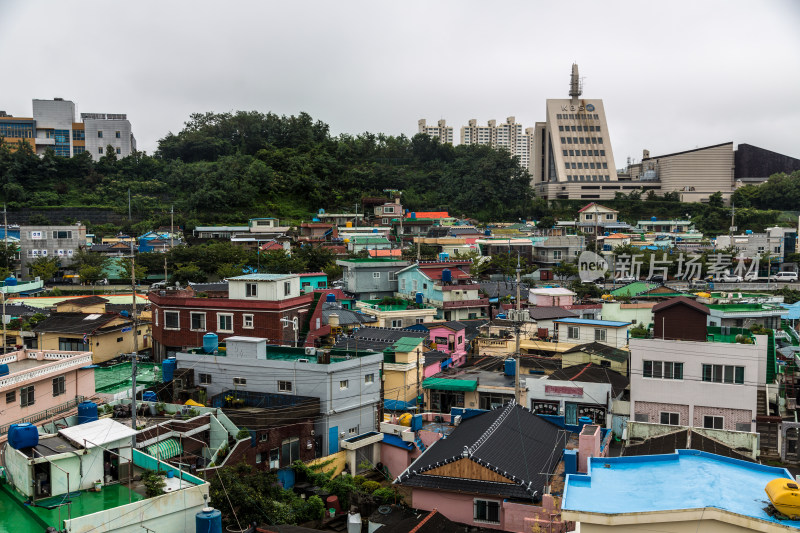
point(441, 130)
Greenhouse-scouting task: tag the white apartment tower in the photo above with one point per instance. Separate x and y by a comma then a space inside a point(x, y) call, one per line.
point(441, 130)
point(509, 136)
point(572, 156)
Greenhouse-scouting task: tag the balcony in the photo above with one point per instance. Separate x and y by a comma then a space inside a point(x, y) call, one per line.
point(29, 365)
point(44, 415)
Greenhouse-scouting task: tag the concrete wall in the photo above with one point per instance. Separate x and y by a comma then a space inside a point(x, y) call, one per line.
point(627, 313)
point(739, 440)
point(593, 393)
point(97, 146)
point(616, 337)
point(266, 290)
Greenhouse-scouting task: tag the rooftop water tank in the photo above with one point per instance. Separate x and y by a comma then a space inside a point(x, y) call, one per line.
point(444, 256)
point(24, 435)
point(330, 297)
point(209, 520)
point(315, 219)
point(168, 367)
point(416, 422)
point(418, 298)
point(748, 232)
point(10, 281)
point(501, 316)
point(149, 396)
point(447, 276)
point(87, 412)
point(124, 313)
point(413, 215)
point(653, 219)
point(510, 367)
point(487, 232)
point(210, 342)
point(4, 371)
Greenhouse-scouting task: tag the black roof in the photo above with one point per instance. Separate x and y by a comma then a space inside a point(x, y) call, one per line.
point(591, 373)
point(346, 316)
point(547, 312)
point(431, 522)
point(376, 339)
point(22, 309)
point(84, 301)
point(118, 308)
point(435, 356)
point(74, 323)
point(206, 287)
point(601, 350)
point(510, 440)
point(500, 289)
point(679, 440)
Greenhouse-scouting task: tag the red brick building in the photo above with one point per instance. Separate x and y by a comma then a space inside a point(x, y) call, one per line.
point(255, 305)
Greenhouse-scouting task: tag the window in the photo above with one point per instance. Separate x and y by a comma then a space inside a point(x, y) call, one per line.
point(72, 345)
point(287, 288)
point(600, 335)
point(369, 378)
point(564, 152)
point(247, 321)
point(284, 386)
point(259, 457)
point(119, 339)
point(117, 135)
point(240, 381)
point(388, 209)
point(275, 458)
point(713, 422)
point(62, 234)
point(641, 417)
point(264, 437)
point(119, 150)
point(397, 323)
point(290, 450)
point(26, 396)
point(11, 397)
point(353, 431)
point(198, 321)
point(671, 419)
point(225, 322)
point(557, 255)
point(486, 511)
point(723, 374)
point(251, 289)
point(99, 134)
point(402, 284)
point(573, 332)
point(414, 285)
point(419, 320)
point(376, 275)
point(610, 216)
point(743, 426)
point(100, 150)
point(589, 216)
point(205, 379)
point(172, 320)
point(344, 384)
point(662, 370)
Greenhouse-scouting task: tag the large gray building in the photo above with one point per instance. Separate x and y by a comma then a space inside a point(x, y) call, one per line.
point(371, 279)
point(61, 242)
point(349, 387)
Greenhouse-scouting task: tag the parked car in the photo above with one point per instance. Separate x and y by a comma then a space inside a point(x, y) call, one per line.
point(729, 278)
point(698, 284)
point(784, 276)
point(658, 278)
point(626, 279)
point(752, 276)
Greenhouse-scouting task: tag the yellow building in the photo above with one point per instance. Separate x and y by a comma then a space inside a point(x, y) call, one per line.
point(402, 369)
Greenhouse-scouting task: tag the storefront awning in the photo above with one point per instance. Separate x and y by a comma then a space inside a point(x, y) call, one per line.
point(166, 449)
point(450, 384)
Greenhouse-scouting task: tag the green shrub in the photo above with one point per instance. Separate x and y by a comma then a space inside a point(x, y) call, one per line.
point(243, 433)
point(359, 480)
point(154, 483)
point(370, 486)
point(386, 495)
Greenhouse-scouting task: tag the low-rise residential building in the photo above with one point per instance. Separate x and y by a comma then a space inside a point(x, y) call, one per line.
point(550, 296)
point(680, 318)
point(224, 233)
point(348, 383)
point(450, 338)
point(397, 313)
point(744, 315)
point(265, 305)
point(61, 242)
point(775, 242)
point(701, 384)
point(366, 243)
point(598, 354)
point(371, 279)
point(446, 285)
point(558, 249)
point(311, 281)
point(633, 312)
point(579, 330)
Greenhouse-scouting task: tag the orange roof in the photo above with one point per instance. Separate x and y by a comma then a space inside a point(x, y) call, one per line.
point(429, 214)
point(397, 252)
point(618, 236)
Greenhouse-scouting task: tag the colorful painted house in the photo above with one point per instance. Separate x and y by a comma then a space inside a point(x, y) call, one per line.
point(447, 285)
point(450, 338)
point(311, 281)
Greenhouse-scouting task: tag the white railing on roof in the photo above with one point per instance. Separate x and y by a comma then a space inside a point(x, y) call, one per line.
point(60, 355)
point(8, 359)
point(51, 368)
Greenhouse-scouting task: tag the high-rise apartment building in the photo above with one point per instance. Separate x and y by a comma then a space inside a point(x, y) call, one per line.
point(441, 130)
point(509, 135)
point(53, 126)
point(572, 155)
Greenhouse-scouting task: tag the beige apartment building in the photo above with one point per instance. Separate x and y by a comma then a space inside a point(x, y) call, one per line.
point(509, 135)
point(441, 130)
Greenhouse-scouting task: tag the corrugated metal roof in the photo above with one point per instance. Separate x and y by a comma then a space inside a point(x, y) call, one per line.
point(450, 384)
point(263, 277)
point(97, 433)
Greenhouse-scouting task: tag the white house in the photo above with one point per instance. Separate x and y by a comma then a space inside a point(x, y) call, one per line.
point(582, 330)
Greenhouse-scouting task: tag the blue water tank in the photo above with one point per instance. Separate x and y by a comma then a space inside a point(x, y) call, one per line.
point(210, 342)
point(413, 215)
point(487, 232)
point(418, 298)
point(510, 367)
point(315, 219)
point(416, 422)
point(653, 219)
point(444, 256)
point(570, 462)
point(168, 366)
point(330, 297)
point(748, 232)
point(10, 281)
point(124, 313)
point(501, 316)
point(24, 435)
point(447, 276)
point(375, 230)
point(4, 370)
point(209, 520)
point(149, 396)
point(87, 412)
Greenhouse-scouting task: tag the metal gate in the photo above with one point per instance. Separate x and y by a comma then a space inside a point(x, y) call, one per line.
point(364, 459)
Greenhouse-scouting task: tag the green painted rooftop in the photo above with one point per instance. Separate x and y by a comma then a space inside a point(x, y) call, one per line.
point(406, 344)
point(741, 307)
point(113, 379)
point(634, 289)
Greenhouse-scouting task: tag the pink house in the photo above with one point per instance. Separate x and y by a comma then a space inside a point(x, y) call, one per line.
point(476, 476)
point(450, 338)
point(551, 296)
point(34, 381)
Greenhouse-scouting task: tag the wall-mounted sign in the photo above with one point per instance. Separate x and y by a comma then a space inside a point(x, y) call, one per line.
point(559, 390)
point(37, 235)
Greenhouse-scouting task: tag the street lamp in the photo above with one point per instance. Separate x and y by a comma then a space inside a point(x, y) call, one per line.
point(293, 321)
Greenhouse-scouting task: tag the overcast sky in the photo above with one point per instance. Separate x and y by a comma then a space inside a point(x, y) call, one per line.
point(673, 75)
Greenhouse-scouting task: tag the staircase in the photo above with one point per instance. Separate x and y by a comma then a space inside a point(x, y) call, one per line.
point(761, 397)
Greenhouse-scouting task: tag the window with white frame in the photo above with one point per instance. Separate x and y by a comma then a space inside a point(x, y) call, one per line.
point(353, 431)
point(713, 422)
point(284, 386)
point(671, 419)
point(557, 255)
point(723, 374)
point(225, 322)
point(275, 458)
point(573, 332)
point(198, 321)
point(344, 384)
point(600, 335)
point(287, 288)
point(369, 378)
point(172, 320)
point(392, 276)
point(397, 323)
point(251, 290)
point(486, 511)
point(290, 450)
point(402, 284)
point(27, 396)
point(247, 321)
point(376, 275)
point(240, 381)
point(662, 370)
point(414, 285)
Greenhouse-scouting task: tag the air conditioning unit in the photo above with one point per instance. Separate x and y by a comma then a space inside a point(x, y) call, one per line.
point(302, 360)
point(310, 350)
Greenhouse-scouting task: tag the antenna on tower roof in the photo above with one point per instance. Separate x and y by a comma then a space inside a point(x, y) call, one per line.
point(575, 84)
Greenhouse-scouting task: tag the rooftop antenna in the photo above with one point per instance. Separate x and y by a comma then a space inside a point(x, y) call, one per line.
point(575, 85)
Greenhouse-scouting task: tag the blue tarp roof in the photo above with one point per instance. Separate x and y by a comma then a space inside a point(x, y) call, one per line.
point(398, 405)
point(394, 440)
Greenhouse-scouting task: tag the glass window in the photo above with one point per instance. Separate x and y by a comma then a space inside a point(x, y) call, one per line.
point(224, 322)
point(287, 288)
point(285, 386)
point(672, 419)
point(487, 511)
point(59, 386)
point(119, 150)
point(376, 275)
point(369, 378)
point(117, 135)
point(573, 332)
point(198, 321)
point(27, 396)
point(100, 150)
point(290, 451)
point(171, 320)
point(205, 379)
point(240, 381)
point(600, 335)
point(251, 289)
point(275, 458)
point(11, 397)
point(99, 134)
point(713, 422)
point(68, 344)
point(344, 384)
point(247, 321)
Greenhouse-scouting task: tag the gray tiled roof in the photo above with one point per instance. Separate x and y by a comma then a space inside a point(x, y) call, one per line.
point(542, 312)
point(591, 373)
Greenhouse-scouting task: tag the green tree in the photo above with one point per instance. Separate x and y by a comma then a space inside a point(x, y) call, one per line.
point(126, 266)
point(183, 273)
point(84, 257)
point(715, 200)
point(315, 257)
point(565, 270)
point(91, 274)
point(229, 270)
point(45, 268)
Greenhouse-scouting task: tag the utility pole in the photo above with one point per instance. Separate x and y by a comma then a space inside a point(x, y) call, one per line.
point(5, 238)
point(355, 222)
point(135, 346)
point(169, 239)
point(129, 204)
point(518, 328)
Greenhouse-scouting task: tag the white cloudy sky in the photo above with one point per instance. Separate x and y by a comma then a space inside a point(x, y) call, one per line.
point(674, 75)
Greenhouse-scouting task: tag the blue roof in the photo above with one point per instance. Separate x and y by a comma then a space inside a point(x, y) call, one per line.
point(394, 440)
point(687, 479)
point(589, 322)
point(263, 277)
point(793, 312)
